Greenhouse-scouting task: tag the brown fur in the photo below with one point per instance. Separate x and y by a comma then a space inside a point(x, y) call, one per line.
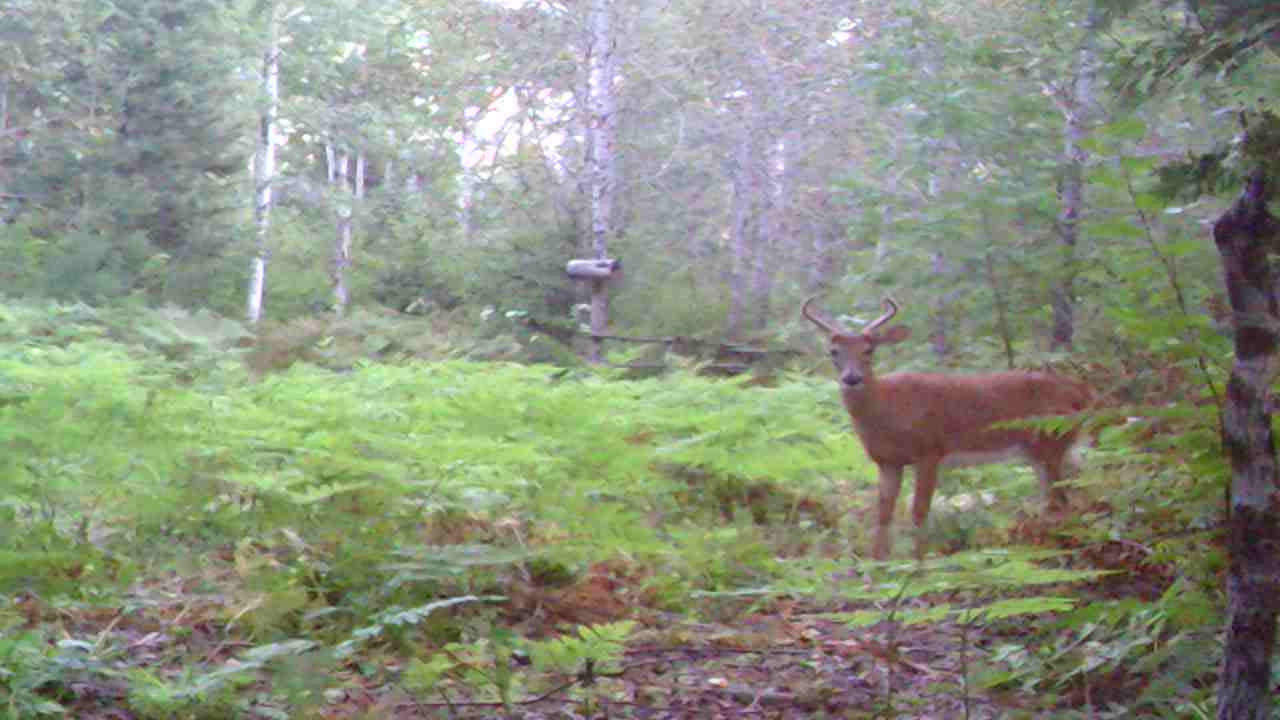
point(927, 419)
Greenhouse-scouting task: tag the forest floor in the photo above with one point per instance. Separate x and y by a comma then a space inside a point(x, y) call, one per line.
point(797, 665)
point(758, 658)
point(781, 661)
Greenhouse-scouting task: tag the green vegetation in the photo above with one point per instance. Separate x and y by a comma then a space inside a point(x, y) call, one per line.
point(188, 536)
point(400, 489)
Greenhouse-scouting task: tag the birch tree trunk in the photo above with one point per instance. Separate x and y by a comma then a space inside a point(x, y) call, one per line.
point(264, 169)
point(362, 164)
point(1244, 235)
point(338, 176)
point(1078, 109)
point(602, 165)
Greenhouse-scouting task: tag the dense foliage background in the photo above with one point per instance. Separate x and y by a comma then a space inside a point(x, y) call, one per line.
point(389, 479)
point(762, 153)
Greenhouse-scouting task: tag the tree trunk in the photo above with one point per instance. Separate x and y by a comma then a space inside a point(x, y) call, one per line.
point(767, 188)
point(1002, 312)
point(770, 172)
point(264, 170)
point(362, 164)
point(4, 127)
point(602, 127)
point(940, 336)
point(741, 246)
point(8, 203)
point(1078, 108)
point(762, 269)
point(338, 169)
point(1244, 235)
point(829, 247)
point(820, 267)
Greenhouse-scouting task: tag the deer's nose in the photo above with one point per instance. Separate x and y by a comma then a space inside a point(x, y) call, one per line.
point(851, 379)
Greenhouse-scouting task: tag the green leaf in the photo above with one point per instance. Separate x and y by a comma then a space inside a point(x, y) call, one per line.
point(1015, 607)
point(1140, 166)
point(1149, 202)
point(1130, 128)
point(1114, 229)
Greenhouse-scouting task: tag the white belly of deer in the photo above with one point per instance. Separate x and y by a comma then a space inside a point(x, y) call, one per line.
point(961, 459)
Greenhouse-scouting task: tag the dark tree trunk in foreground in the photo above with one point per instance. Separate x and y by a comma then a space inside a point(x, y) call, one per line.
point(1245, 235)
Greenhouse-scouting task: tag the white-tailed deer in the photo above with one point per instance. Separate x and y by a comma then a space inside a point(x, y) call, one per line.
point(927, 420)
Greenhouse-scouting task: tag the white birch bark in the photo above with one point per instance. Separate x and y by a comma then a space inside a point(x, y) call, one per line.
point(362, 163)
point(264, 170)
point(338, 175)
point(602, 167)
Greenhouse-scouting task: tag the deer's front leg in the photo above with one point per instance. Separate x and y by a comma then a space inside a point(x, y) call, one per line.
point(1052, 496)
point(926, 483)
point(890, 486)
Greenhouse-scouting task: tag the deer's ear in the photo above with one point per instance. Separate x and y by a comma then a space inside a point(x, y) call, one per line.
point(895, 334)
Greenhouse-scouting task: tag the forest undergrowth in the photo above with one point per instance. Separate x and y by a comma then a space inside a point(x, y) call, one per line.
point(385, 518)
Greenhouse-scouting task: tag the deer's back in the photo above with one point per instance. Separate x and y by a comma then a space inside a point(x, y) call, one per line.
point(914, 415)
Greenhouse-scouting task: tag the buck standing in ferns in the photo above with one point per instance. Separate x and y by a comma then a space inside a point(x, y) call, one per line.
point(927, 420)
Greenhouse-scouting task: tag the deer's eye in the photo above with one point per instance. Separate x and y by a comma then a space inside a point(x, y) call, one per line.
point(834, 352)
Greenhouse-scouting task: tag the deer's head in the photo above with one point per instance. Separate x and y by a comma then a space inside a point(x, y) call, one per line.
point(851, 352)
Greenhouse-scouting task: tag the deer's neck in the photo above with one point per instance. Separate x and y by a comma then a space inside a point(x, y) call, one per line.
point(863, 401)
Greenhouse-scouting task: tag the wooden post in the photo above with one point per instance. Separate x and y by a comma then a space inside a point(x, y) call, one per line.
point(599, 319)
point(598, 271)
point(601, 269)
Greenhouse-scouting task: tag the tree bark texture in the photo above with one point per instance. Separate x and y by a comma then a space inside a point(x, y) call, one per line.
point(1245, 235)
point(741, 231)
point(264, 170)
point(602, 128)
point(338, 175)
point(772, 179)
point(1077, 107)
